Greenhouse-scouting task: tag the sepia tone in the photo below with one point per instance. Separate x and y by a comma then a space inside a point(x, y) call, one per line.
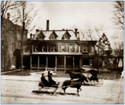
point(44, 64)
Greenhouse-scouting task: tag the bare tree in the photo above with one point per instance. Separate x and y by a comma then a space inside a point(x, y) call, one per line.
point(88, 34)
point(23, 17)
point(119, 13)
point(84, 36)
point(8, 5)
point(119, 20)
point(99, 30)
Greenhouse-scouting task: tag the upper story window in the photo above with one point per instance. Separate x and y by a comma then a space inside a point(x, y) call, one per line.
point(52, 48)
point(43, 48)
point(71, 48)
point(63, 48)
point(66, 36)
point(85, 49)
point(27, 49)
point(53, 36)
point(92, 50)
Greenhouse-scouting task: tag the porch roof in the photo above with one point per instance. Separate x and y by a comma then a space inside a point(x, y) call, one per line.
point(55, 53)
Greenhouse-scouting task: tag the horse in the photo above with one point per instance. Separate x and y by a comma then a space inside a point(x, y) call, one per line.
point(74, 84)
point(74, 75)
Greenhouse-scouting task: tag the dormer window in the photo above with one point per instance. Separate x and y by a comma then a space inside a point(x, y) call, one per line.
point(53, 36)
point(66, 36)
point(41, 36)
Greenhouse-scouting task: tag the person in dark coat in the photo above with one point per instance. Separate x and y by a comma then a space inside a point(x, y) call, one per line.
point(51, 81)
point(44, 81)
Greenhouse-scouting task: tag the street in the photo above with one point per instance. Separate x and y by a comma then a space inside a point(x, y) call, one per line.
point(18, 90)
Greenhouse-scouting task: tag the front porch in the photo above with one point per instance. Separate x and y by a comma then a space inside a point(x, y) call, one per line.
point(59, 62)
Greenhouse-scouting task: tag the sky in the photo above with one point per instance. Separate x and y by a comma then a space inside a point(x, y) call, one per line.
point(74, 14)
point(80, 15)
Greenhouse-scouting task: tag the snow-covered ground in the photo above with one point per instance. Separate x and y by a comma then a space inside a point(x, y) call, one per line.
point(18, 89)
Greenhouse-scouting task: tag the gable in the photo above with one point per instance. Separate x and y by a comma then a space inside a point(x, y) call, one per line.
point(41, 36)
point(66, 36)
point(53, 36)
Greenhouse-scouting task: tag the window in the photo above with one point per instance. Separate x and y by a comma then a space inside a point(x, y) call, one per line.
point(34, 61)
point(39, 49)
point(53, 36)
point(71, 48)
point(52, 48)
point(86, 62)
point(85, 49)
point(42, 60)
point(27, 49)
point(66, 36)
point(77, 61)
point(62, 48)
point(41, 36)
point(51, 61)
point(60, 61)
point(43, 49)
point(69, 62)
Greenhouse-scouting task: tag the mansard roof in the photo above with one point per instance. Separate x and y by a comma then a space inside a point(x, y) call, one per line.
point(58, 33)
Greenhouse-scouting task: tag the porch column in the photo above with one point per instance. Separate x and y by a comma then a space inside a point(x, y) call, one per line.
point(38, 62)
point(46, 62)
point(55, 63)
point(79, 49)
point(93, 63)
point(80, 62)
point(47, 48)
point(73, 62)
point(30, 62)
point(64, 62)
point(32, 49)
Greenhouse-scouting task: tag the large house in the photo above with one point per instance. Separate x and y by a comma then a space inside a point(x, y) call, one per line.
point(59, 50)
point(10, 43)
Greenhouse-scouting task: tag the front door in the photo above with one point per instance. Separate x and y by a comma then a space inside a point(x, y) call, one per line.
point(51, 61)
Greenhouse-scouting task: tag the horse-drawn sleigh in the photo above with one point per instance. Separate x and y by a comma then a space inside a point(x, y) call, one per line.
point(77, 79)
point(91, 76)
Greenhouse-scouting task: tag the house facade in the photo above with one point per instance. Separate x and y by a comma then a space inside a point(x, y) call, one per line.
point(10, 43)
point(59, 50)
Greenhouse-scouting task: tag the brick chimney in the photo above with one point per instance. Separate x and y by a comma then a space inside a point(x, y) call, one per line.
point(47, 25)
point(77, 33)
point(31, 36)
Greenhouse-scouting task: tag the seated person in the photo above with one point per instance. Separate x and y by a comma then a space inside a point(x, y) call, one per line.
point(51, 81)
point(44, 81)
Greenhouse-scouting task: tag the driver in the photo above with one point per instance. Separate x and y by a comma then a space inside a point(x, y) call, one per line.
point(44, 81)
